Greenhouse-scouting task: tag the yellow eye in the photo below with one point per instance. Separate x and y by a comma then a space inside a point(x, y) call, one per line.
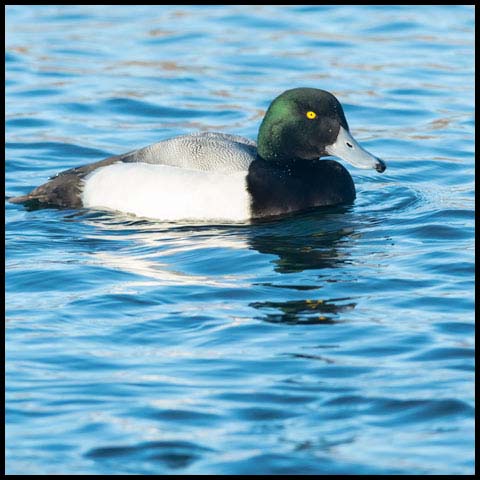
point(311, 115)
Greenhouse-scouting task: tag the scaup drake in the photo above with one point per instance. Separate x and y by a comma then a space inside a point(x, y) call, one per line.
point(216, 176)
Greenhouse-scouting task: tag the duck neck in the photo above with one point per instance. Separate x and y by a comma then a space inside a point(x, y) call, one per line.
point(273, 145)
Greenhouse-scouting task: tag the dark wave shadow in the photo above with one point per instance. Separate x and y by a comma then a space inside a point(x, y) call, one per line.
point(170, 454)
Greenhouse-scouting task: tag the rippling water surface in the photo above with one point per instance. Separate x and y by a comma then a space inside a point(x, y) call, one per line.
point(338, 340)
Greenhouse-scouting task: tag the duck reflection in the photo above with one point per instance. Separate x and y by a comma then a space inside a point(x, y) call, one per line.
point(303, 312)
point(314, 241)
point(307, 251)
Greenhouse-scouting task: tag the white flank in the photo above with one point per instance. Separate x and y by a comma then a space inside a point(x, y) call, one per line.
point(168, 193)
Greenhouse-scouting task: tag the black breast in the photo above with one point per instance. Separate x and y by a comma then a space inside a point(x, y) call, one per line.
point(297, 186)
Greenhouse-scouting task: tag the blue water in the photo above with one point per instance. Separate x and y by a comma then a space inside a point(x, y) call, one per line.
point(335, 341)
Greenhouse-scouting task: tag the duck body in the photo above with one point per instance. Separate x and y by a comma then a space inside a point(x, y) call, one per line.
point(216, 176)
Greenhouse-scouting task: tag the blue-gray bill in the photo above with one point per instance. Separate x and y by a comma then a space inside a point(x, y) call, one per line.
point(348, 149)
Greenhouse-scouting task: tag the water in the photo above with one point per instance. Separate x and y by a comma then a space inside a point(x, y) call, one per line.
point(333, 341)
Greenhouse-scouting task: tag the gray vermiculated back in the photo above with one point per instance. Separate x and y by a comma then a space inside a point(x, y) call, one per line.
point(199, 151)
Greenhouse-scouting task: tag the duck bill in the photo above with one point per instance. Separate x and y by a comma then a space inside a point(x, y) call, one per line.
point(348, 149)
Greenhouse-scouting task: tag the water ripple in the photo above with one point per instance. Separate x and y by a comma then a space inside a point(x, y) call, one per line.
point(332, 341)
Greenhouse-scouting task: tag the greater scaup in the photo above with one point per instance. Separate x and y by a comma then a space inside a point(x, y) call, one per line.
point(215, 176)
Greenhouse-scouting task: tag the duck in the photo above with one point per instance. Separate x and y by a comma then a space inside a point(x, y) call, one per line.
point(218, 176)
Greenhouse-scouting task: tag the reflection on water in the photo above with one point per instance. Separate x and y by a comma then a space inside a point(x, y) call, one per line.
point(309, 243)
point(314, 241)
point(318, 240)
point(303, 312)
